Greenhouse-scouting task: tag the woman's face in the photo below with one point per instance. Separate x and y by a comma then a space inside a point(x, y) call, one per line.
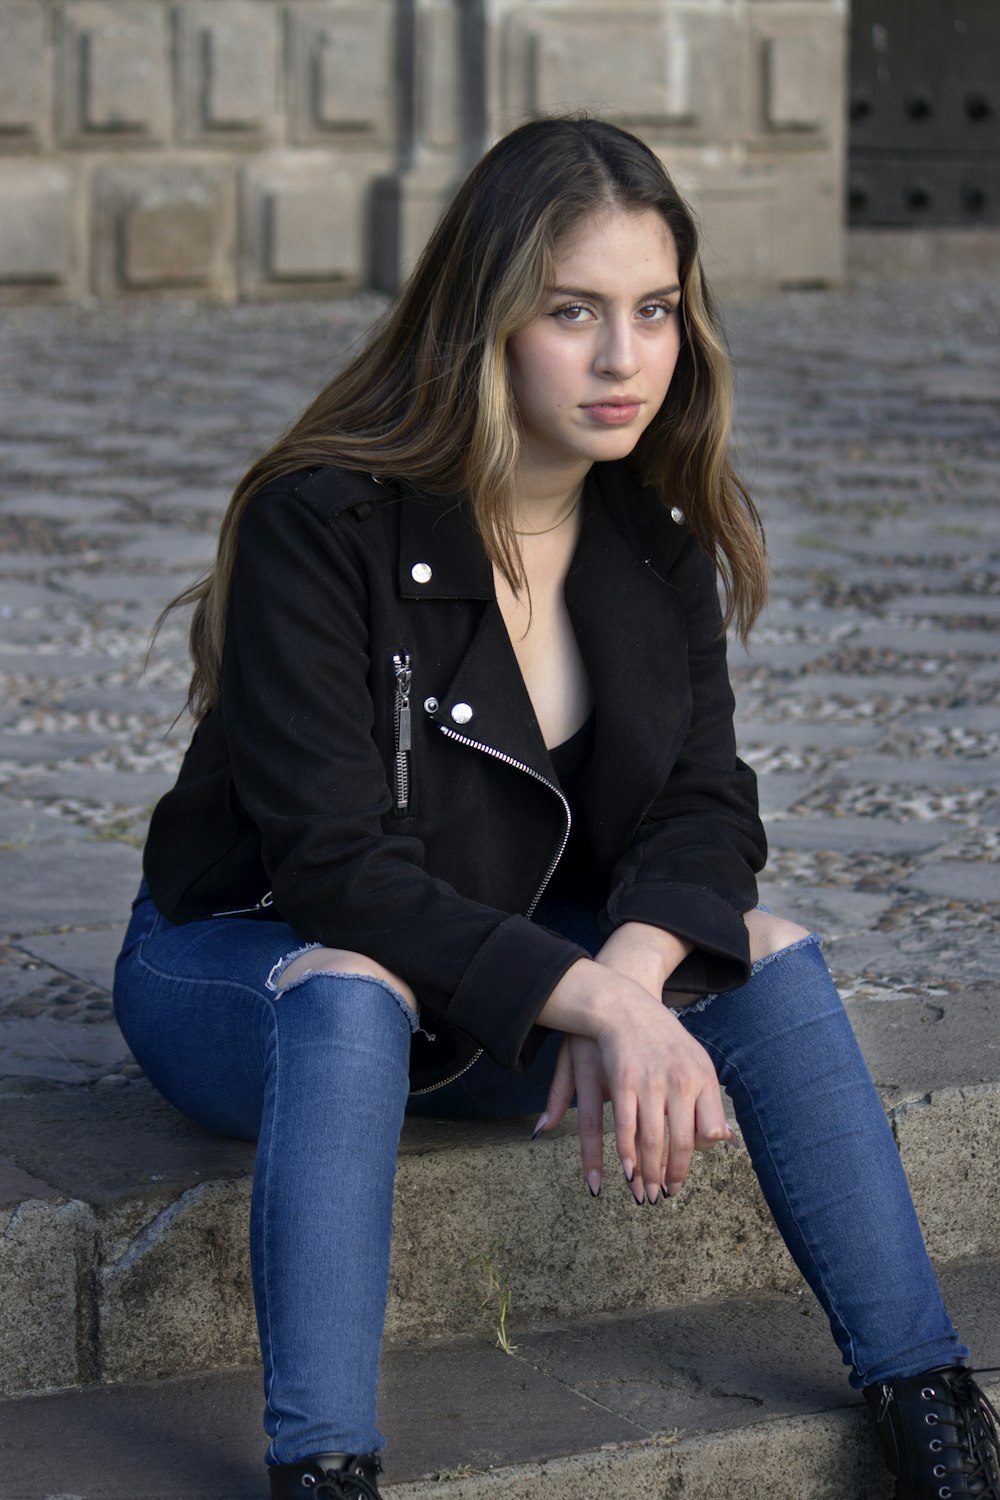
point(592, 370)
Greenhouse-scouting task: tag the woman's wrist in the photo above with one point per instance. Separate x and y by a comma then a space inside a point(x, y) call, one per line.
point(582, 1000)
point(646, 954)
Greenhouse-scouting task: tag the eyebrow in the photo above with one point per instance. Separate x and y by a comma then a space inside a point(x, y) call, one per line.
point(578, 291)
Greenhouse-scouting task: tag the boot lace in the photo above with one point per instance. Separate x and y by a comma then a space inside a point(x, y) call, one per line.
point(978, 1447)
point(346, 1486)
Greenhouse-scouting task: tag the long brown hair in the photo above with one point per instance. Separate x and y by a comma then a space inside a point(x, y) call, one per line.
point(428, 398)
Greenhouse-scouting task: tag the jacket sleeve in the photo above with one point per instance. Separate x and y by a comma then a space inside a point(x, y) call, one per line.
point(299, 720)
point(692, 864)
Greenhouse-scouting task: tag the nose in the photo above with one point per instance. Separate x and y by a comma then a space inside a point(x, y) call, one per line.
point(618, 351)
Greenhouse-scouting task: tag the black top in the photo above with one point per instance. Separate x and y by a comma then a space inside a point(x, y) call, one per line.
point(576, 876)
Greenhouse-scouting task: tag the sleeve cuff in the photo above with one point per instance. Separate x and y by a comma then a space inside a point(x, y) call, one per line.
point(720, 959)
point(507, 984)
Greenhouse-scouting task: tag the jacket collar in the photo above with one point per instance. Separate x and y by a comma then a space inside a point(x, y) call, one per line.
point(628, 622)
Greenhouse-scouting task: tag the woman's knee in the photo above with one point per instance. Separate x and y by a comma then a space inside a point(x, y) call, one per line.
point(770, 934)
point(341, 961)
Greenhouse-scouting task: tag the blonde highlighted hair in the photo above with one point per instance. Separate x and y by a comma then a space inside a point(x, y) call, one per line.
point(428, 399)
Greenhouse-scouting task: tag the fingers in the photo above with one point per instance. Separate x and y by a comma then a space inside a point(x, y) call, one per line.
point(560, 1090)
point(707, 1128)
point(625, 1106)
point(590, 1115)
point(578, 1071)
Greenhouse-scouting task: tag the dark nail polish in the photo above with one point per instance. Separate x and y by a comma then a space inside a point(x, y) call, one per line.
point(590, 1190)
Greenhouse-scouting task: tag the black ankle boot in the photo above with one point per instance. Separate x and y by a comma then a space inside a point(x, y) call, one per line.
point(939, 1435)
point(328, 1476)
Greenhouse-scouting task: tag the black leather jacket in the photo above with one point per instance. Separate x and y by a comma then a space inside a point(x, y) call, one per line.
point(375, 776)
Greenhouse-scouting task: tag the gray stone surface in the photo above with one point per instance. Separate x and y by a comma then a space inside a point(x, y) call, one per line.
point(692, 1402)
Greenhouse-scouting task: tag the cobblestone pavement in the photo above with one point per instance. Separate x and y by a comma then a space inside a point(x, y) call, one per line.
point(870, 433)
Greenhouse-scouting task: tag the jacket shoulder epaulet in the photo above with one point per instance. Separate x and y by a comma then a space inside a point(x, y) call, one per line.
point(331, 491)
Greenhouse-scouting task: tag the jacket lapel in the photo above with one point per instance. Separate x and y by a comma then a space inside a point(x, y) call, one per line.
point(441, 557)
point(632, 634)
point(629, 624)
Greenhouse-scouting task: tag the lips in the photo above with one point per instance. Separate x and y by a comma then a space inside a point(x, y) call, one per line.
point(614, 410)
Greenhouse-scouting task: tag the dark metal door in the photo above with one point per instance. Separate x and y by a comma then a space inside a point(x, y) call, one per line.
point(924, 144)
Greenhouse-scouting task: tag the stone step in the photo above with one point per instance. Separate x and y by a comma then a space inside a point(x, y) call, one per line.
point(739, 1397)
point(123, 1240)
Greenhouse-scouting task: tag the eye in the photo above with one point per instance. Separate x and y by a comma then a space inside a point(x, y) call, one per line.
point(572, 312)
point(655, 312)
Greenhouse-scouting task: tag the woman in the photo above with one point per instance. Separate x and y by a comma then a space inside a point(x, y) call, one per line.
point(463, 798)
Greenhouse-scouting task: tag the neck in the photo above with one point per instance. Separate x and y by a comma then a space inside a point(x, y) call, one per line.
point(543, 500)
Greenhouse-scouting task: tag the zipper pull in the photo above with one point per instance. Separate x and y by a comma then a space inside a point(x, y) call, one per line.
point(404, 730)
point(404, 676)
point(884, 1404)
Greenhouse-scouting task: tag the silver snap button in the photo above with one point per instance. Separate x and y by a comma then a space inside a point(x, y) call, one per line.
point(421, 572)
point(461, 713)
point(430, 705)
point(677, 515)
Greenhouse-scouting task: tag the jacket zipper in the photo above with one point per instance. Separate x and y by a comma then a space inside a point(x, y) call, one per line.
point(403, 729)
point(238, 911)
point(518, 765)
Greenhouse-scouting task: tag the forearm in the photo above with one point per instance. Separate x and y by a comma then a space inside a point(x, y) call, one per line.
point(645, 954)
point(581, 1002)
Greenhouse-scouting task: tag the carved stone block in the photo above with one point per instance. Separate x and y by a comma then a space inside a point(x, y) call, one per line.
point(304, 226)
point(115, 73)
point(650, 68)
point(796, 70)
point(793, 80)
point(227, 55)
point(340, 71)
point(25, 95)
point(170, 227)
point(36, 224)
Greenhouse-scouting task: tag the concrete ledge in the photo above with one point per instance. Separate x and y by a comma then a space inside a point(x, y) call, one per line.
point(144, 1273)
point(743, 1397)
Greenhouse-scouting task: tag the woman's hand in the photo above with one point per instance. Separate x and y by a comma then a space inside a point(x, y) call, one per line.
point(623, 1045)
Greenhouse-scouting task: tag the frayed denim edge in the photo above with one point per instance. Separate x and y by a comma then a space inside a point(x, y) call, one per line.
point(761, 963)
point(272, 981)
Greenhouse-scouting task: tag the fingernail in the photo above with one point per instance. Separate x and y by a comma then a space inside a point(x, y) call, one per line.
point(628, 1167)
point(543, 1120)
point(594, 1183)
point(673, 1188)
point(652, 1193)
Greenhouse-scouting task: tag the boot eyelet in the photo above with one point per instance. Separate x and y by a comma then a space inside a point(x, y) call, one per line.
point(309, 1481)
point(944, 1492)
point(939, 1471)
point(935, 1445)
point(931, 1419)
point(928, 1393)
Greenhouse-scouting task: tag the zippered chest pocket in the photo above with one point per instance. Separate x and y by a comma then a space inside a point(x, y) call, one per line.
point(402, 728)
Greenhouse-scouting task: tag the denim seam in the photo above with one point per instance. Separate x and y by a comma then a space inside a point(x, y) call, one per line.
point(266, 1252)
point(184, 979)
point(818, 1264)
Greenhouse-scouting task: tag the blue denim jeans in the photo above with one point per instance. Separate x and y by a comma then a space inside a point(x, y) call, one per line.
point(317, 1074)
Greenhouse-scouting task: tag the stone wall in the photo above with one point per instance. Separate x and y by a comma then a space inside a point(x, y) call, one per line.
point(274, 148)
